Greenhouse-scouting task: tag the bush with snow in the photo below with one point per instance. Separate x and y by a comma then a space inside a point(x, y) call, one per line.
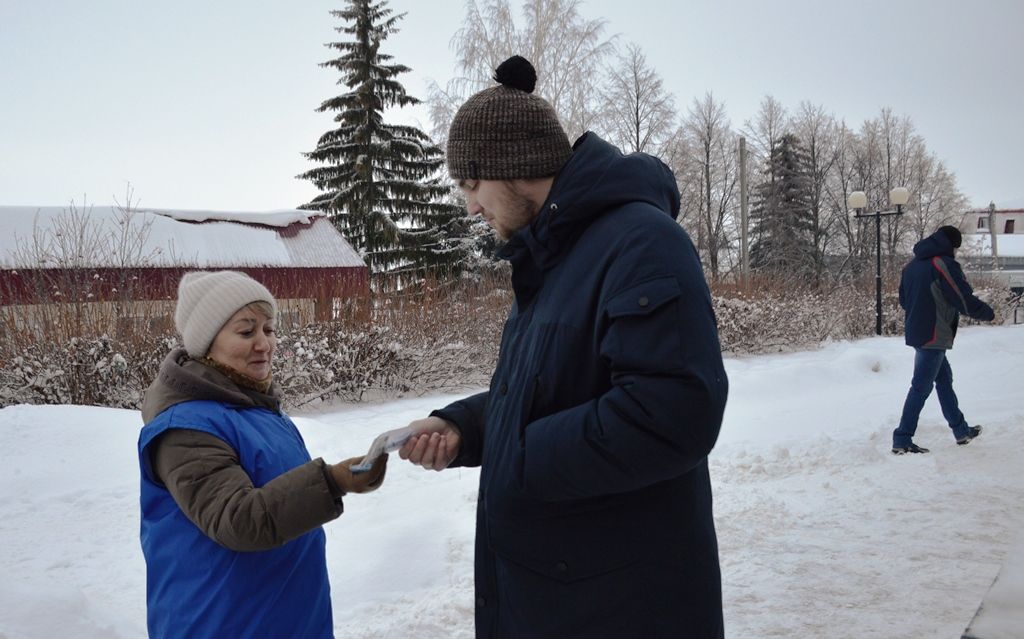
point(440, 338)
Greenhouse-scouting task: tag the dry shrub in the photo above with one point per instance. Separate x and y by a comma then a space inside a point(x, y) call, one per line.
point(447, 332)
point(436, 336)
point(326, 360)
point(763, 315)
point(97, 371)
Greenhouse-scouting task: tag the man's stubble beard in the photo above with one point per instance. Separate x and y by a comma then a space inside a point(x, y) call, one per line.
point(521, 212)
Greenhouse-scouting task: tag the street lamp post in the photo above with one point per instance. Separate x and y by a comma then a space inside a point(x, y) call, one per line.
point(858, 201)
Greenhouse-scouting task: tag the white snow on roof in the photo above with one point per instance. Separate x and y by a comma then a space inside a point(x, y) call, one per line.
point(282, 217)
point(1007, 245)
point(32, 237)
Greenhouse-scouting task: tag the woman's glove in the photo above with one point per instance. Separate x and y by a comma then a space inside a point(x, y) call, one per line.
point(361, 482)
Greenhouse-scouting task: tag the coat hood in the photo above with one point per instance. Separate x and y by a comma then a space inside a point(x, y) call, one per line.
point(597, 178)
point(932, 246)
point(182, 379)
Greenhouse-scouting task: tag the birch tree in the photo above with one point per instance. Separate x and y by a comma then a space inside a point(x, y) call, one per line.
point(638, 113)
point(934, 192)
point(841, 181)
point(568, 50)
point(766, 129)
point(710, 165)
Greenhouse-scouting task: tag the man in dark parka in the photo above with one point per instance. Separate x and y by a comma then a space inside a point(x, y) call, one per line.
point(594, 516)
point(934, 292)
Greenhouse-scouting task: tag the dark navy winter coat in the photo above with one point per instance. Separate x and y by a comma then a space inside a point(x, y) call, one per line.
point(594, 513)
point(934, 292)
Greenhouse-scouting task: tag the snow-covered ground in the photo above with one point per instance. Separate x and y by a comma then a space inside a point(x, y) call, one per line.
point(823, 532)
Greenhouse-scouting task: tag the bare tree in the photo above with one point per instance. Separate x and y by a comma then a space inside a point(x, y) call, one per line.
point(886, 153)
point(884, 162)
point(75, 259)
point(843, 179)
point(933, 188)
point(766, 129)
point(710, 172)
point(568, 51)
point(637, 111)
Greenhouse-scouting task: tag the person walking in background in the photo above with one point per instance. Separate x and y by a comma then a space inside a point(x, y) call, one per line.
point(594, 515)
point(232, 505)
point(934, 292)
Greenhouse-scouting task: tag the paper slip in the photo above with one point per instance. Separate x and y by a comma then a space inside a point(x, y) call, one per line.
point(387, 442)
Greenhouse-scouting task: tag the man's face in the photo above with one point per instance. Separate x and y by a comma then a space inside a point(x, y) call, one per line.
point(499, 202)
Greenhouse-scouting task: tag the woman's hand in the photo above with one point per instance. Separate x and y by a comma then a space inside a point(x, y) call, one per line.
point(367, 482)
point(435, 444)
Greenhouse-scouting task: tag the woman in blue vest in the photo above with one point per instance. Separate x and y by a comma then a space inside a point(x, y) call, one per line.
point(232, 504)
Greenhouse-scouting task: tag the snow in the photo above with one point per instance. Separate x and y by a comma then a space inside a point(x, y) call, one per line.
point(166, 238)
point(822, 531)
point(281, 218)
point(1002, 616)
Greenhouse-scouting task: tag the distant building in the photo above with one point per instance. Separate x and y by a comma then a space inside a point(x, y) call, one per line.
point(101, 254)
point(994, 244)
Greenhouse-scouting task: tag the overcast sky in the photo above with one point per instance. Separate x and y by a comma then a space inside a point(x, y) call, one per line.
point(209, 105)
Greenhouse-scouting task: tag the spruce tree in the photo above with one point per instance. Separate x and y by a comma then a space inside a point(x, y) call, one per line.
point(783, 222)
point(382, 184)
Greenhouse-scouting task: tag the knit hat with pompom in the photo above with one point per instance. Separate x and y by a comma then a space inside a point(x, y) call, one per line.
point(505, 132)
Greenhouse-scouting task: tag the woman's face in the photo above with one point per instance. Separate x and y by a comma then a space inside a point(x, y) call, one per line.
point(246, 343)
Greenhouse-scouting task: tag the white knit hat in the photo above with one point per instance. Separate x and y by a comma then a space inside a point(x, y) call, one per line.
point(207, 300)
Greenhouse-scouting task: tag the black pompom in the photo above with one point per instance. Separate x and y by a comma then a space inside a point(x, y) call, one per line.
point(516, 73)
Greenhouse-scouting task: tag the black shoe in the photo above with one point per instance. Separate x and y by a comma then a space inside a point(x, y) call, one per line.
point(972, 432)
point(912, 448)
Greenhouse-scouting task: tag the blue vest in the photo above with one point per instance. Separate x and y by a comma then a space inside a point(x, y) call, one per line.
point(197, 588)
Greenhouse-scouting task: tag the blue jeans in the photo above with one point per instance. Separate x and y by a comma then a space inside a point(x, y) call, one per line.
point(931, 369)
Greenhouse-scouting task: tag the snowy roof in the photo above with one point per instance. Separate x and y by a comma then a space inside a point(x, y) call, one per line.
point(38, 237)
point(282, 217)
point(1000, 211)
point(980, 244)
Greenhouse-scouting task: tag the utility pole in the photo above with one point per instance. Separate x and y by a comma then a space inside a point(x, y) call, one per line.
point(744, 253)
point(992, 233)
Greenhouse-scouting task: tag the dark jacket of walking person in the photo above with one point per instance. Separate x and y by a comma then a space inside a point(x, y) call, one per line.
point(232, 504)
point(594, 515)
point(934, 293)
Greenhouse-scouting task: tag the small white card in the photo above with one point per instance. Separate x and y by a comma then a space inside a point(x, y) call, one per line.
point(387, 442)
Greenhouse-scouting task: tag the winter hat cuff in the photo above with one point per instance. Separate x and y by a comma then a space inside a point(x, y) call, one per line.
point(207, 300)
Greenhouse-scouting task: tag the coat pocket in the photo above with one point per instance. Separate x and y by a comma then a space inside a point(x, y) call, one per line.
point(643, 298)
point(644, 327)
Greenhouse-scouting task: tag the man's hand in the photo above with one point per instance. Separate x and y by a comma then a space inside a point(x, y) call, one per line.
point(367, 482)
point(434, 445)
